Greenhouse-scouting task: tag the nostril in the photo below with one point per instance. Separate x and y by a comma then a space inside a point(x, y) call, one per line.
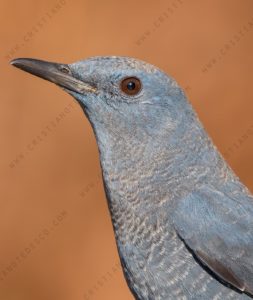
point(64, 70)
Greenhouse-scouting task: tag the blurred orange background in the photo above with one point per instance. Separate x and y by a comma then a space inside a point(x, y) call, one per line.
point(55, 231)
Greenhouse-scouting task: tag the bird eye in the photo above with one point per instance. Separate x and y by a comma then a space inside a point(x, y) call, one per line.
point(131, 86)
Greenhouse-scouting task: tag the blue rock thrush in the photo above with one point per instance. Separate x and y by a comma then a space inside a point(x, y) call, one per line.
point(182, 219)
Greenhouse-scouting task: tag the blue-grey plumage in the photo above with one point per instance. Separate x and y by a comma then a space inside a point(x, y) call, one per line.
point(182, 219)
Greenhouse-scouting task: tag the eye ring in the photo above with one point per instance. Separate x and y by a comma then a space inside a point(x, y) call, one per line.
point(131, 86)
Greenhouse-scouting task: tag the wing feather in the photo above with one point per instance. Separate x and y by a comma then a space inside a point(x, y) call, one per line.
point(218, 228)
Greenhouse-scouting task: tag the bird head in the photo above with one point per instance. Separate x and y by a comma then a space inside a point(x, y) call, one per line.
point(119, 95)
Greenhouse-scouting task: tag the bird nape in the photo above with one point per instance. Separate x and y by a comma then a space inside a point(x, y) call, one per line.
point(183, 221)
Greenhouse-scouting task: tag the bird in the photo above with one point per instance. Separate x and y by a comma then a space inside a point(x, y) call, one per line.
point(182, 219)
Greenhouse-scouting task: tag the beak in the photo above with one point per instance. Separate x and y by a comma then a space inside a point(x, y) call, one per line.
point(59, 74)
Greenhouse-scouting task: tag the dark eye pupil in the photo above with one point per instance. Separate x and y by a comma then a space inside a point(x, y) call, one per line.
point(131, 85)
